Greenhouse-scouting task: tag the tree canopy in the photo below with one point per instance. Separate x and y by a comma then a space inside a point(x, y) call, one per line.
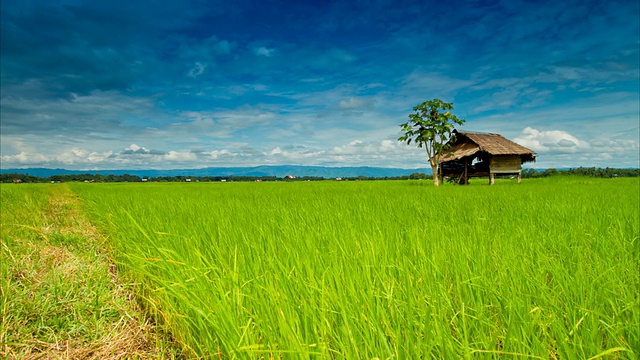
point(431, 126)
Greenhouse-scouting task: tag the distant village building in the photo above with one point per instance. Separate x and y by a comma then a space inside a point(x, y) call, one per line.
point(289, 177)
point(475, 154)
point(145, 180)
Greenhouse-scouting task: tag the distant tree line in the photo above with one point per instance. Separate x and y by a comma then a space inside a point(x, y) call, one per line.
point(26, 178)
point(526, 173)
point(583, 171)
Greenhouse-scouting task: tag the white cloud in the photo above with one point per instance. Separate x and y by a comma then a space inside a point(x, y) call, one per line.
point(575, 75)
point(293, 154)
point(352, 148)
point(264, 51)
point(275, 151)
point(194, 126)
point(204, 156)
point(24, 158)
point(180, 156)
point(97, 112)
point(135, 149)
point(76, 156)
point(69, 157)
point(550, 141)
point(558, 148)
point(353, 102)
point(377, 153)
point(197, 70)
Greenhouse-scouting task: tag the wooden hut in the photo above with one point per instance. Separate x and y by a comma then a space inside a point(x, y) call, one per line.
point(474, 154)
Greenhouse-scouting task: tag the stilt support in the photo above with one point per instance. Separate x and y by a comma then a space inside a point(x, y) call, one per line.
point(466, 172)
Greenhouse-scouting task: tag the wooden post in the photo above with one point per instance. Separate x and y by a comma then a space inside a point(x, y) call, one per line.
point(491, 178)
point(466, 174)
point(519, 177)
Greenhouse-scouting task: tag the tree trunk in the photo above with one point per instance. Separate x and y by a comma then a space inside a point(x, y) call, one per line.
point(434, 170)
point(433, 161)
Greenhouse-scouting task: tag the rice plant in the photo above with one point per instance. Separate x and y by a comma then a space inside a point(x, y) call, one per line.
point(383, 269)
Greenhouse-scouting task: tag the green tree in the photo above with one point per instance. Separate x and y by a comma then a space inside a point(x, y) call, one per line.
point(431, 126)
point(418, 175)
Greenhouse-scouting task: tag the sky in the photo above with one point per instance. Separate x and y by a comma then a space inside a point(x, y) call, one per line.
point(190, 84)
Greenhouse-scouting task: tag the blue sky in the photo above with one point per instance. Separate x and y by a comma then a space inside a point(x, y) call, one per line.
point(190, 84)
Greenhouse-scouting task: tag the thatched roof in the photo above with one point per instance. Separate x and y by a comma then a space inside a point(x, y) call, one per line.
point(470, 143)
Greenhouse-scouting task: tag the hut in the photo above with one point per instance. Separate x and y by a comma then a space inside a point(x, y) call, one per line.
point(475, 154)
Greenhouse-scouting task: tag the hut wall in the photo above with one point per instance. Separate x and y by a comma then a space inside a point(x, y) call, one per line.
point(505, 164)
point(452, 168)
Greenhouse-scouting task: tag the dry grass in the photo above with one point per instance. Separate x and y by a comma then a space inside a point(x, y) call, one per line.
point(61, 295)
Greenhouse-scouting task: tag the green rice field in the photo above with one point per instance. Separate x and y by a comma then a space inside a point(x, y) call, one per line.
point(547, 269)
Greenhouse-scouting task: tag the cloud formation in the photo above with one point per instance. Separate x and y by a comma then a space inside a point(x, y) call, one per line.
point(550, 141)
point(96, 85)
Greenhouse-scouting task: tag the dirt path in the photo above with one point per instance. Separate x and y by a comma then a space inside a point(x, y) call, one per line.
point(63, 298)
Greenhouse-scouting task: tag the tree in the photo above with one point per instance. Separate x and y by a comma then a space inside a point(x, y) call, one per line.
point(431, 126)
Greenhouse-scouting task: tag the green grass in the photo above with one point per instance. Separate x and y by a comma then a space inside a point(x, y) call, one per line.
point(544, 269)
point(58, 297)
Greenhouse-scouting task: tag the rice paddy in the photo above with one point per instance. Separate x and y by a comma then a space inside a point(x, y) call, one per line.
point(59, 294)
point(382, 269)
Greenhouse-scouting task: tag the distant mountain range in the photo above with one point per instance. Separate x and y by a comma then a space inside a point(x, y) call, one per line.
point(255, 171)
